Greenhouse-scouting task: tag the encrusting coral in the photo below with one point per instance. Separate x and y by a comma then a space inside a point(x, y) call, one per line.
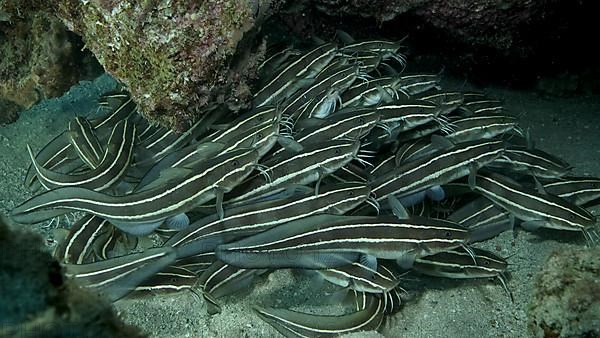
point(40, 58)
point(567, 298)
point(173, 56)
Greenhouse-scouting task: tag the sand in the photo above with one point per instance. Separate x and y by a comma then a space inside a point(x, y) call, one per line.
point(568, 128)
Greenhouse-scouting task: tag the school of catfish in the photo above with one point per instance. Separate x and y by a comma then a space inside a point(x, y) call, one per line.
point(345, 166)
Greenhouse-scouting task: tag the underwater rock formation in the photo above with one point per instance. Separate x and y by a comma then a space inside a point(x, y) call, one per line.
point(40, 58)
point(380, 10)
point(171, 55)
point(489, 23)
point(36, 300)
point(567, 301)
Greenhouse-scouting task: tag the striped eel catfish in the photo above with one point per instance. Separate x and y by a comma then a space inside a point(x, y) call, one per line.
point(443, 97)
point(143, 211)
point(484, 218)
point(170, 279)
point(85, 142)
point(372, 92)
point(421, 131)
point(361, 278)
point(298, 168)
point(338, 63)
point(197, 263)
point(297, 105)
point(323, 104)
point(262, 138)
point(329, 241)
point(351, 172)
point(384, 165)
point(122, 107)
point(109, 172)
point(105, 248)
point(59, 151)
point(287, 81)
point(483, 126)
point(275, 62)
point(535, 209)
point(438, 168)
point(180, 140)
point(254, 118)
point(351, 123)
point(194, 153)
point(366, 61)
point(419, 83)
point(578, 190)
point(386, 48)
point(459, 264)
point(482, 106)
point(297, 324)
point(534, 162)
point(222, 279)
point(117, 277)
point(413, 150)
point(406, 115)
point(205, 234)
point(79, 245)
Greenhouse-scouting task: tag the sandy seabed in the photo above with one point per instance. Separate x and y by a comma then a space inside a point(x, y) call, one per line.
point(565, 127)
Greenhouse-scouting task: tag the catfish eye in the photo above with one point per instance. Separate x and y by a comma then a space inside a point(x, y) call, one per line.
point(351, 193)
point(337, 151)
point(259, 135)
point(235, 163)
point(361, 120)
point(448, 234)
point(486, 263)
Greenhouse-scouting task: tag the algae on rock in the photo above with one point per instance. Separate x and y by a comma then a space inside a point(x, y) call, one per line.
point(172, 55)
point(567, 298)
point(40, 58)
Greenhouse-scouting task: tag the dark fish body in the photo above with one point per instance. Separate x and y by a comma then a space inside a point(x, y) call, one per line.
point(110, 170)
point(299, 168)
point(153, 205)
point(295, 324)
point(578, 190)
point(330, 241)
point(459, 264)
point(205, 234)
point(439, 168)
point(78, 246)
point(542, 210)
point(117, 277)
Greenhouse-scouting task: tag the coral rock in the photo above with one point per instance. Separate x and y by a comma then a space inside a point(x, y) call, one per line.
point(171, 55)
point(40, 58)
point(567, 298)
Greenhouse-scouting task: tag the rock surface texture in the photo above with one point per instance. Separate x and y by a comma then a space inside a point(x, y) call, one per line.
point(567, 298)
point(490, 23)
point(37, 300)
point(172, 55)
point(39, 59)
